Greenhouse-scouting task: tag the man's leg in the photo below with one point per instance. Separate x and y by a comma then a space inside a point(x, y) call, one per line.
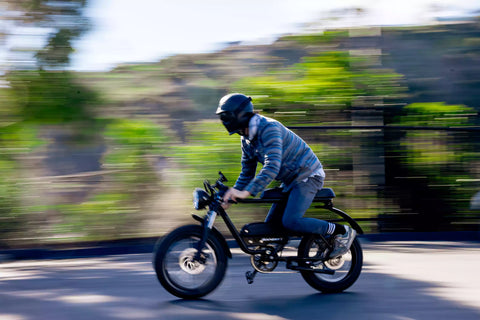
point(275, 214)
point(299, 200)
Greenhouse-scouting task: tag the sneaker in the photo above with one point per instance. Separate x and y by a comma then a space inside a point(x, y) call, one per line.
point(342, 242)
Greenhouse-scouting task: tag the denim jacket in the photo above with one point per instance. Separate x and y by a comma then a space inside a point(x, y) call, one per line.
point(284, 155)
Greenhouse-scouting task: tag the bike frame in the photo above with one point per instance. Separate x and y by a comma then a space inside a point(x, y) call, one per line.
point(212, 213)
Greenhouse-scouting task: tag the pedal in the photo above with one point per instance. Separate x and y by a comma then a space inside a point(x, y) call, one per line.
point(250, 275)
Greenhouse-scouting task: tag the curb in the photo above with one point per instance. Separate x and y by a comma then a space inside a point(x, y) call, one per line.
point(80, 250)
point(146, 245)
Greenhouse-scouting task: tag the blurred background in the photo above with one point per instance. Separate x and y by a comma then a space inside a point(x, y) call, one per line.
point(107, 117)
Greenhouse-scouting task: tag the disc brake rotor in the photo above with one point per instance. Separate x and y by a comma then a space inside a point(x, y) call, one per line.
point(188, 263)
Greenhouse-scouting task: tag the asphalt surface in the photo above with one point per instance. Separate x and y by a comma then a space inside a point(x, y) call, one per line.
point(400, 280)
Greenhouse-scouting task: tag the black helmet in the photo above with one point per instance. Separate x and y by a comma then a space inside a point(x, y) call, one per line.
point(235, 111)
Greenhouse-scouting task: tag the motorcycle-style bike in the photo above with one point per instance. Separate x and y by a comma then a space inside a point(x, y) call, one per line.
point(191, 261)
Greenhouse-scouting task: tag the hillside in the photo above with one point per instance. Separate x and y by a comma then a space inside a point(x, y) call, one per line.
point(439, 63)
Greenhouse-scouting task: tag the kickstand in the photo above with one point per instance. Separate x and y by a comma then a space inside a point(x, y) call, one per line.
point(250, 275)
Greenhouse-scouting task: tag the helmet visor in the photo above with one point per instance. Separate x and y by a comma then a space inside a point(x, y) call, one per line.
point(230, 121)
point(227, 117)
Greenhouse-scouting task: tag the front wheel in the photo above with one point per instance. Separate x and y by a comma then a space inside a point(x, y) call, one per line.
point(346, 268)
point(181, 270)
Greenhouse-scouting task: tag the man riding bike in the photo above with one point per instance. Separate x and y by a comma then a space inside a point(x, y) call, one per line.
point(285, 157)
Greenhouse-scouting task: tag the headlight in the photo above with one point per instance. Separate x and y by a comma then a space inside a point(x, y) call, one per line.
point(200, 199)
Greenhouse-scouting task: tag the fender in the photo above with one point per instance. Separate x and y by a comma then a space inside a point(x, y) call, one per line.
point(347, 218)
point(217, 234)
point(344, 215)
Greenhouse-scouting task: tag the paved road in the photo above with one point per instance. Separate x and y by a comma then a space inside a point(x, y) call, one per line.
point(400, 281)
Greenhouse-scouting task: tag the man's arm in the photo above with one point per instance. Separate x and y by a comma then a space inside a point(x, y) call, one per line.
point(273, 144)
point(234, 194)
point(249, 167)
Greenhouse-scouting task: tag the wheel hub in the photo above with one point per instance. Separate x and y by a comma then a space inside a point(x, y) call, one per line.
point(189, 264)
point(335, 263)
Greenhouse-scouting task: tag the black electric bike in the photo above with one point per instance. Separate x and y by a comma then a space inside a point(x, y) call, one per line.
point(191, 261)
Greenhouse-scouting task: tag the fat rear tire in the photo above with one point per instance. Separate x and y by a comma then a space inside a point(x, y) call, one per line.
point(343, 277)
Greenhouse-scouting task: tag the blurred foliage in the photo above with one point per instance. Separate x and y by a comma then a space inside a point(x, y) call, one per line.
point(107, 213)
point(153, 129)
point(327, 37)
point(433, 168)
point(131, 179)
point(50, 97)
point(131, 141)
point(436, 114)
point(12, 217)
point(328, 81)
point(208, 149)
point(134, 147)
point(434, 151)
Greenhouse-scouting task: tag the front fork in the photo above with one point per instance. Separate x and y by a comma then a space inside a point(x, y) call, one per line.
point(207, 227)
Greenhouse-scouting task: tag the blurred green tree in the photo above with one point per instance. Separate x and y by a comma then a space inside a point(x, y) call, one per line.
point(60, 21)
point(39, 92)
point(43, 95)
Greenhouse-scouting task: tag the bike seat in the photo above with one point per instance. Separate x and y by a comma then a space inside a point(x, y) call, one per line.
point(324, 194)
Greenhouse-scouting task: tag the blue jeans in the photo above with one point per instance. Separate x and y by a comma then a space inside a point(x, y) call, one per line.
point(290, 212)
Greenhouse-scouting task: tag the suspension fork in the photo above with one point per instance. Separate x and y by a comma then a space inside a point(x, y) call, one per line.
point(207, 227)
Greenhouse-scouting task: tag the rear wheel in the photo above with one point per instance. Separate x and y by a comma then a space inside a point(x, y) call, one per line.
point(346, 268)
point(183, 272)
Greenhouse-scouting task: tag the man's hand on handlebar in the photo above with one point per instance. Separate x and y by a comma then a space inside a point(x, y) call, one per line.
point(232, 195)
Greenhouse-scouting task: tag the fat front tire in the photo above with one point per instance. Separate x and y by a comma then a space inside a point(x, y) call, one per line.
point(178, 269)
point(347, 267)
